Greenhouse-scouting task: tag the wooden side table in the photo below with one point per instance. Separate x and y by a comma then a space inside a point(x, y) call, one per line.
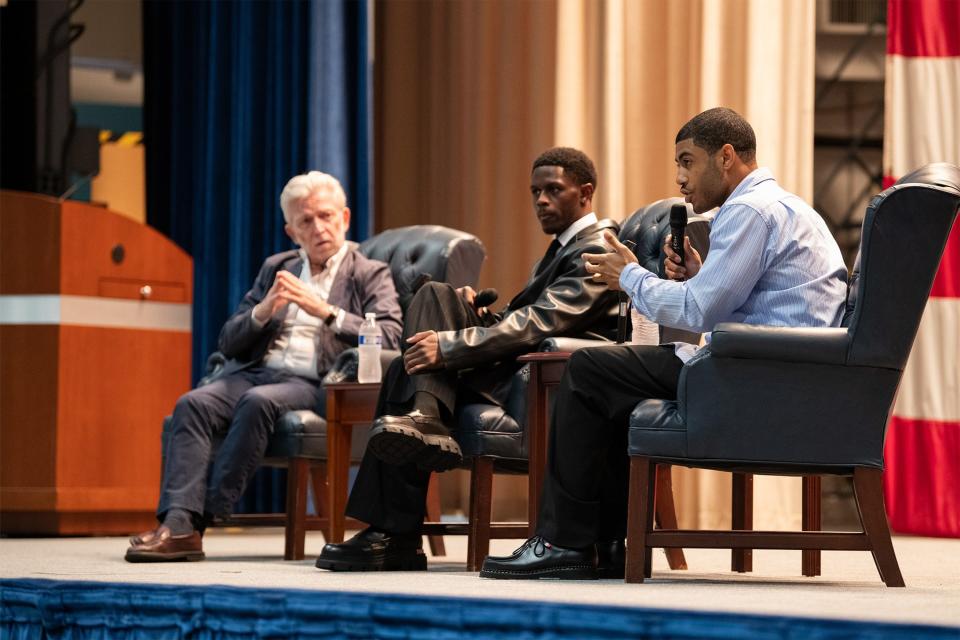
point(349, 404)
point(546, 370)
point(352, 404)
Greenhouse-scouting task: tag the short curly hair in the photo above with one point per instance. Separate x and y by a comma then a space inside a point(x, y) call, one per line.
point(716, 127)
point(575, 163)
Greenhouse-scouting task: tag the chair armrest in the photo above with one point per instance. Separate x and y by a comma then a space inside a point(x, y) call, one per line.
point(570, 345)
point(214, 369)
point(821, 345)
point(345, 366)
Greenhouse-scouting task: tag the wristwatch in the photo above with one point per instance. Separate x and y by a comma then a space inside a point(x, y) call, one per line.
point(334, 313)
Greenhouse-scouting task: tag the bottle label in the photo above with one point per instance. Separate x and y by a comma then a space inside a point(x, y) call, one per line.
point(371, 341)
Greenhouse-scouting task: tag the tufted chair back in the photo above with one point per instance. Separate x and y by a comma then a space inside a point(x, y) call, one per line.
point(425, 252)
point(886, 297)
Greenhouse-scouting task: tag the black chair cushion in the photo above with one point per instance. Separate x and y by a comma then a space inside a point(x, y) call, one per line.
point(304, 434)
point(425, 252)
point(497, 432)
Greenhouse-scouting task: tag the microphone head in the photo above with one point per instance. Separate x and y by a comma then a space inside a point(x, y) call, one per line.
point(485, 298)
point(678, 215)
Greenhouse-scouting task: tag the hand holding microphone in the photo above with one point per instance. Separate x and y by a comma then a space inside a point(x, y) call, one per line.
point(682, 260)
point(485, 298)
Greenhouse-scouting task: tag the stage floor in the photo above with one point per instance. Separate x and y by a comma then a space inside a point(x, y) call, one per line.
point(849, 588)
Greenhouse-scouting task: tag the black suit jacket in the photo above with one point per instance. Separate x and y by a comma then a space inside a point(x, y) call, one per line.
point(561, 300)
point(361, 286)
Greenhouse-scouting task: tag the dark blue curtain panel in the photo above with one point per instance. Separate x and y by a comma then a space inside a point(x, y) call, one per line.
point(239, 97)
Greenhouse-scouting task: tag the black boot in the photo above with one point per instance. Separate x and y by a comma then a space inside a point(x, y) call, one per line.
point(374, 550)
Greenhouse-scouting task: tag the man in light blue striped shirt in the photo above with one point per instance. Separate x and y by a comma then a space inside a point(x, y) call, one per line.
point(772, 262)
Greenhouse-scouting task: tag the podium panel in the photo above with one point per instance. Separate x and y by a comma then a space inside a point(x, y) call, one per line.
point(94, 352)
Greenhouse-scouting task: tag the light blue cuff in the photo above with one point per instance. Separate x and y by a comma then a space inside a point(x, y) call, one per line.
point(631, 278)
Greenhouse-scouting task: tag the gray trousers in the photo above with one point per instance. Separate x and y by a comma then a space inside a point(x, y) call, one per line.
point(240, 409)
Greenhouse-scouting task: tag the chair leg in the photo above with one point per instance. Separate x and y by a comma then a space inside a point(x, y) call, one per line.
point(437, 548)
point(640, 509)
point(295, 530)
point(810, 561)
point(868, 490)
point(481, 493)
point(666, 514)
point(741, 560)
point(318, 481)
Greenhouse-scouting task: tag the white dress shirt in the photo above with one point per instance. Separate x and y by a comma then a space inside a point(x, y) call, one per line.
point(295, 347)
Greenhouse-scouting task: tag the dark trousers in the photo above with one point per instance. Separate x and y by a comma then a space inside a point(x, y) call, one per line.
point(242, 408)
point(392, 497)
point(585, 488)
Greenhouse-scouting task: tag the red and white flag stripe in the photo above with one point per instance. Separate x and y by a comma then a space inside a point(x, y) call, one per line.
point(922, 479)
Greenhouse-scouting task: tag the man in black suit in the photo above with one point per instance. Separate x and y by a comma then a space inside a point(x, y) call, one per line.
point(458, 353)
point(305, 307)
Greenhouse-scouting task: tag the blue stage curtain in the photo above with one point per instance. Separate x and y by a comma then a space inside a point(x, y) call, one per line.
point(73, 610)
point(239, 97)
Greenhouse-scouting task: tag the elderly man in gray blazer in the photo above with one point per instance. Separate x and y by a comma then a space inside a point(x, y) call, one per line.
point(304, 308)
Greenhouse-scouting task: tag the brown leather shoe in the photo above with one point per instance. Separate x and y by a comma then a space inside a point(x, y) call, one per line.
point(144, 538)
point(160, 545)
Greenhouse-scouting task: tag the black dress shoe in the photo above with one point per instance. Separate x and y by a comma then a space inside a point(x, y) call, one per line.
point(611, 559)
point(537, 558)
point(372, 550)
point(415, 438)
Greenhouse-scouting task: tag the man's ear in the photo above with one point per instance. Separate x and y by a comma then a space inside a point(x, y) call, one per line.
point(728, 155)
point(289, 231)
point(586, 193)
point(346, 218)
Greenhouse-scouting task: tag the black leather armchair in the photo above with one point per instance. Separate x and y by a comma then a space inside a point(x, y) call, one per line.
point(785, 401)
point(415, 254)
point(497, 439)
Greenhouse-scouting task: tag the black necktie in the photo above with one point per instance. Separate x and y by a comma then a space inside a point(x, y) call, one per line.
point(548, 256)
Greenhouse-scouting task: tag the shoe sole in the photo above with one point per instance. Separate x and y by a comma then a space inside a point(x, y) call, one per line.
point(575, 572)
point(398, 445)
point(416, 562)
point(177, 556)
point(558, 573)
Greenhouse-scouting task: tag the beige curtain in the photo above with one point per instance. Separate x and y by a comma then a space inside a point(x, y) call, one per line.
point(469, 92)
point(464, 102)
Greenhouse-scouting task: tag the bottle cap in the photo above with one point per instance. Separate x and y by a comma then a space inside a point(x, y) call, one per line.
point(370, 316)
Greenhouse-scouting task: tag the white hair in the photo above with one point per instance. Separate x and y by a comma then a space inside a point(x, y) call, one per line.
point(304, 186)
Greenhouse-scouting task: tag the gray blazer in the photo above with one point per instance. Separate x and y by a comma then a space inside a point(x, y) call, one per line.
point(361, 286)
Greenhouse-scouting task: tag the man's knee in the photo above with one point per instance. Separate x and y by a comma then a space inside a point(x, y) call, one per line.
point(582, 363)
point(255, 401)
point(437, 288)
point(189, 404)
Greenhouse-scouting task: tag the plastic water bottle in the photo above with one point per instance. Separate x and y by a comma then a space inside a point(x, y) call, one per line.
point(371, 341)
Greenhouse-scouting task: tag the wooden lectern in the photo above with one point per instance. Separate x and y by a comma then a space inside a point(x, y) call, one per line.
point(95, 316)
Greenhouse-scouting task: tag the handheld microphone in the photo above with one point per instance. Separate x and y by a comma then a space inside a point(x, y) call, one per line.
point(485, 298)
point(678, 227)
